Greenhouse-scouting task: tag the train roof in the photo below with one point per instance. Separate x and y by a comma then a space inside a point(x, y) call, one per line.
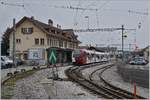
point(95, 52)
point(58, 48)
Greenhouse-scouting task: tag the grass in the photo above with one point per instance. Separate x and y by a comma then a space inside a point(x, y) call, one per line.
point(8, 86)
point(7, 92)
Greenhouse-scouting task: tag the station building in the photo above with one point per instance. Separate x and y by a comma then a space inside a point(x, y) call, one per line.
point(36, 35)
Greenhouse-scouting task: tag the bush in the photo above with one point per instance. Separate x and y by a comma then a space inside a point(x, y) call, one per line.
point(9, 74)
point(38, 67)
point(15, 72)
point(23, 70)
point(34, 68)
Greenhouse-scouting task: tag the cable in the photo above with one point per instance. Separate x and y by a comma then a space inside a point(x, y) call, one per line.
point(68, 2)
point(103, 5)
point(137, 12)
point(26, 11)
point(129, 11)
point(12, 4)
point(97, 18)
point(75, 17)
point(87, 7)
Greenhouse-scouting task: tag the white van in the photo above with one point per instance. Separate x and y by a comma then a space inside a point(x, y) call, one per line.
point(6, 62)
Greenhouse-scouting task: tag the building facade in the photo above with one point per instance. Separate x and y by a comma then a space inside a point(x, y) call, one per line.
point(31, 34)
point(146, 53)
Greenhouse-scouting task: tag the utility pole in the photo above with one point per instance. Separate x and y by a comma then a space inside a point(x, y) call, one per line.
point(130, 47)
point(122, 42)
point(87, 21)
point(14, 51)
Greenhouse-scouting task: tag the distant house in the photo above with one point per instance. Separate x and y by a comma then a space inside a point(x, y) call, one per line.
point(146, 53)
point(31, 33)
point(142, 52)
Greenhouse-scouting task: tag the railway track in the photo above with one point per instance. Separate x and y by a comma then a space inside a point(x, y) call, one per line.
point(111, 87)
point(105, 90)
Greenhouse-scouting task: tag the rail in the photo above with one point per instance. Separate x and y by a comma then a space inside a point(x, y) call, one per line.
point(106, 91)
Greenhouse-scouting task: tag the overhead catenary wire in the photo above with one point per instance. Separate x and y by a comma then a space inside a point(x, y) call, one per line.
point(68, 2)
point(87, 7)
point(97, 18)
point(132, 11)
point(22, 5)
point(75, 17)
point(24, 8)
point(12, 4)
point(73, 8)
point(104, 4)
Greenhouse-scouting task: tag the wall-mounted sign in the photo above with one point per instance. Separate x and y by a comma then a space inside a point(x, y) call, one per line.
point(36, 54)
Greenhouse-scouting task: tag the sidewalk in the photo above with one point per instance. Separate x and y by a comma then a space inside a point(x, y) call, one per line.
point(111, 76)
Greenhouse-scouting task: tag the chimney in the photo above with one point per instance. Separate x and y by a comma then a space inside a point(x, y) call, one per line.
point(58, 26)
point(50, 22)
point(32, 17)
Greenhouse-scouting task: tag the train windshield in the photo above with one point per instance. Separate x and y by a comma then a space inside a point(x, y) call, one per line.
point(76, 53)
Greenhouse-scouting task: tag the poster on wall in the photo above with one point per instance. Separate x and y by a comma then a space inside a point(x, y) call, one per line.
point(36, 54)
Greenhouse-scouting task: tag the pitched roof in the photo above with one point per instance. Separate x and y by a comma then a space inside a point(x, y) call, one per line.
point(44, 27)
point(70, 34)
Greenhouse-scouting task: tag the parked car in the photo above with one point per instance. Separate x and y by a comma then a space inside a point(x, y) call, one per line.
point(3, 64)
point(138, 61)
point(104, 60)
point(6, 62)
point(18, 61)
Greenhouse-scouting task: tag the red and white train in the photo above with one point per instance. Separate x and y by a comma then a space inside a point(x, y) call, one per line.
point(84, 56)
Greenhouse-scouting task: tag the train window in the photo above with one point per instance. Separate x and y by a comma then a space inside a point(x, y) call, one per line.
point(98, 56)
point(76, 53)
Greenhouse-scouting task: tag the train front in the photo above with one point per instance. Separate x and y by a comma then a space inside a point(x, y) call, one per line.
point(79, 57)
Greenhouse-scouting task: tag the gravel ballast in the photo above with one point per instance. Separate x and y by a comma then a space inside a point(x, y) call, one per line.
point(38, 86)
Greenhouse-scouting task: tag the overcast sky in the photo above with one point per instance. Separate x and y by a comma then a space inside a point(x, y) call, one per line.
point(111, 13)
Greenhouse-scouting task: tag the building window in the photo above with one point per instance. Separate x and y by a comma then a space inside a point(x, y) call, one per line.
point(54, 43)
point(70, 45)
point(25, 56)
point(65, 44)
point(27, 30)
point(42, 41)
point(53, 31)
point(47, 41)
point(18, 41)
point(57, 43)
point(36, 41)
point(64, 34)
point(58, 32)
point(50, 42)
point(60, 43)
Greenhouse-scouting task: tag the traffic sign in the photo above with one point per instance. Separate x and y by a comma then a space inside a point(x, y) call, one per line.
point(52, 57)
